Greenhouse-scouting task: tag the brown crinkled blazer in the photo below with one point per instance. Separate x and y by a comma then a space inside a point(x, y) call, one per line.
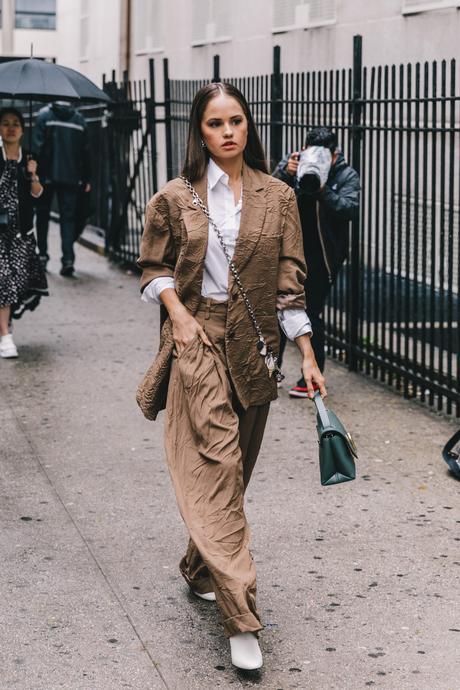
point(268, 255)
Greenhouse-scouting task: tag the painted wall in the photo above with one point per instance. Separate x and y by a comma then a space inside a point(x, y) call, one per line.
point(388, 35)
point(103, 53)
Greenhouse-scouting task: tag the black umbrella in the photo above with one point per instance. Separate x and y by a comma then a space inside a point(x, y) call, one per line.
point(38, 80)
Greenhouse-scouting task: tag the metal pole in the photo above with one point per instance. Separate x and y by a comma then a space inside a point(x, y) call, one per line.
point(216, 68)
point(151, 115)
point(355, 272)
point(276, 110)
point(167, 107)
point(8, 27)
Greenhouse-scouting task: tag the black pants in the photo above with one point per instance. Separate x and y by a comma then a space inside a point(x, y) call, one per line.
point(67, 204)
point(317, 288)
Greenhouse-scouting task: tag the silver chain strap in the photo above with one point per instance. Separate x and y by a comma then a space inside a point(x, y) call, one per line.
point(264, 351)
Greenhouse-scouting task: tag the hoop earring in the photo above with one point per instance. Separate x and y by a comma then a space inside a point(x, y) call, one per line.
point(203, 145)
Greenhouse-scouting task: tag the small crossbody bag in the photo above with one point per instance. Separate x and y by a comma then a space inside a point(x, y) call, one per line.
point(337, 450)
point(265, 351)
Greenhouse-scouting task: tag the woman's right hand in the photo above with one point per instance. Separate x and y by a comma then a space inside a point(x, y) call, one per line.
point(185, 328)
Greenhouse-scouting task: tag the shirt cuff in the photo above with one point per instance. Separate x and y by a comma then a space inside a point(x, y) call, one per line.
point(294, 322)
point(152, 291)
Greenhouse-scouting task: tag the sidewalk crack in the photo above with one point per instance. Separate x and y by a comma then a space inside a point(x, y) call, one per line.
point(37, 457)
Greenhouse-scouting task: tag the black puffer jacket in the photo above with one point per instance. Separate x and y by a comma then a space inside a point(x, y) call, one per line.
point(337, 205)
point(61, 144)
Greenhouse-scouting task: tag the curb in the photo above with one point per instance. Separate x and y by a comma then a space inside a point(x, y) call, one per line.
point(93, 238)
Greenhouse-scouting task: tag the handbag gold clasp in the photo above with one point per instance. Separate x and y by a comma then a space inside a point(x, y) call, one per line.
point(352, 444)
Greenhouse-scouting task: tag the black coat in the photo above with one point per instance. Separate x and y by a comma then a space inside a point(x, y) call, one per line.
point(25, 198)
point(62, 145)
point(337, 203)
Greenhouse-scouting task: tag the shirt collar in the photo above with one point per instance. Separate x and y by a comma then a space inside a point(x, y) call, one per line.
point(4, 154)
point(215, 175)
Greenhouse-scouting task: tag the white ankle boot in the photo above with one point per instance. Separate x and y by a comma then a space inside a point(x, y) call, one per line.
point(245, 651)
point(208, 596)
point(8, 349)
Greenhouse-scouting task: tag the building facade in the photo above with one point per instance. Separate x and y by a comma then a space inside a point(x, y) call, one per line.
point(313, 34)
point(98, 37)
point(28, 26)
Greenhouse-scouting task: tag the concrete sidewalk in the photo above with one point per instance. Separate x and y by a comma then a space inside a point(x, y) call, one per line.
point(358, 584)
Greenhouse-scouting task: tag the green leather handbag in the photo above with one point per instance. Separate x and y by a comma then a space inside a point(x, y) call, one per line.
point(337, 450)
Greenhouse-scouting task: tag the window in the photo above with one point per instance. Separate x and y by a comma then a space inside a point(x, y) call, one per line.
point(412, 6)
point(35, 14)
point(147, 26)
point(211, 21)
point(84, 29)
point(302, 14)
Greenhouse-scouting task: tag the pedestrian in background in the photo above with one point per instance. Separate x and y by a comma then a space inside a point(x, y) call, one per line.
point(22, 278)
point(62, 146)
point(219, 370)
point(327, 191)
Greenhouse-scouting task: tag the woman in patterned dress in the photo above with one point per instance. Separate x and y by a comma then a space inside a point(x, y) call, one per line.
point(22, 277)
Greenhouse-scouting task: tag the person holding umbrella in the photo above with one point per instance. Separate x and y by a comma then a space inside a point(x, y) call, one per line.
point(38, 80)
point(22, 278)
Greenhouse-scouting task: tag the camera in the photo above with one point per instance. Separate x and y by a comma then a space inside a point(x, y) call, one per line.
point(314, 166)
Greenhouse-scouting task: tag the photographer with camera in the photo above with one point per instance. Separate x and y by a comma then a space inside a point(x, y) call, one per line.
point(327, 191)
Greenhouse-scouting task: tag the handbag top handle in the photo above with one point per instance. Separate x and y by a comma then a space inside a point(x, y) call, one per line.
point(322, 410)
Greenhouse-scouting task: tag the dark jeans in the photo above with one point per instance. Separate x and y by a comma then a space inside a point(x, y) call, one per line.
point(317, 288)
point(67, 204)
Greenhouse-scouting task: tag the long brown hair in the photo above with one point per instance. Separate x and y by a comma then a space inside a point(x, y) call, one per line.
point(197, 156)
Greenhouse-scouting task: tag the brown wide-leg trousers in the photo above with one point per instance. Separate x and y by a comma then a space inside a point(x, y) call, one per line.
point(212, 445)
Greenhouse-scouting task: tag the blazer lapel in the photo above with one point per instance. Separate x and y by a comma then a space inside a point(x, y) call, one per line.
point(252, 216)
point(195, 221)
point(194, 252)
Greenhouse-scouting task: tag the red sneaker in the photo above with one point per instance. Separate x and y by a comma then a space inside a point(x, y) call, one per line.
point(300, 390)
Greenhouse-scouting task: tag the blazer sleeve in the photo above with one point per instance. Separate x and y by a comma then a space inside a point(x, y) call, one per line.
point(157, 252)
point(292, 271)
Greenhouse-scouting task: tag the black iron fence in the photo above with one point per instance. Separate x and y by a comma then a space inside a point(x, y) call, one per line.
point(394, 310)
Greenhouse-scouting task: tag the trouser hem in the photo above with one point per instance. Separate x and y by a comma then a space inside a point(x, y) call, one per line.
point(245, 622)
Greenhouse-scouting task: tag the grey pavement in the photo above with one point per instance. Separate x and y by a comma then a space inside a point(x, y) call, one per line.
point(358, 584)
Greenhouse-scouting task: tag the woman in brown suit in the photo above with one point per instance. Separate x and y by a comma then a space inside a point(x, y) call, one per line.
point(214, 371)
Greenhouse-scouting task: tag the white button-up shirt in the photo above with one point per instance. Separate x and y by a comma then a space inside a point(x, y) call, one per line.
point(227, 216)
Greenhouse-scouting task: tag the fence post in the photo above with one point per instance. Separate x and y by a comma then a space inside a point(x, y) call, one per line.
point(152, 125)
point(276, 110)
point(355, 274)
point(216, 68)
point(167, 107)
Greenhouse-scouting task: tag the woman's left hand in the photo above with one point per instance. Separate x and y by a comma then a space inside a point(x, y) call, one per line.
point(32, 166)
point(313, 376)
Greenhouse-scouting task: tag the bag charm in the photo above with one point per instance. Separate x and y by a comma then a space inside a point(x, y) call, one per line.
point(271, 361)
point(262, 348)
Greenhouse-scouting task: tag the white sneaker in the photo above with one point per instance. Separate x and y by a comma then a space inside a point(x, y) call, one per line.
point(8, 349)
point(245, 651)
point(208, 596)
